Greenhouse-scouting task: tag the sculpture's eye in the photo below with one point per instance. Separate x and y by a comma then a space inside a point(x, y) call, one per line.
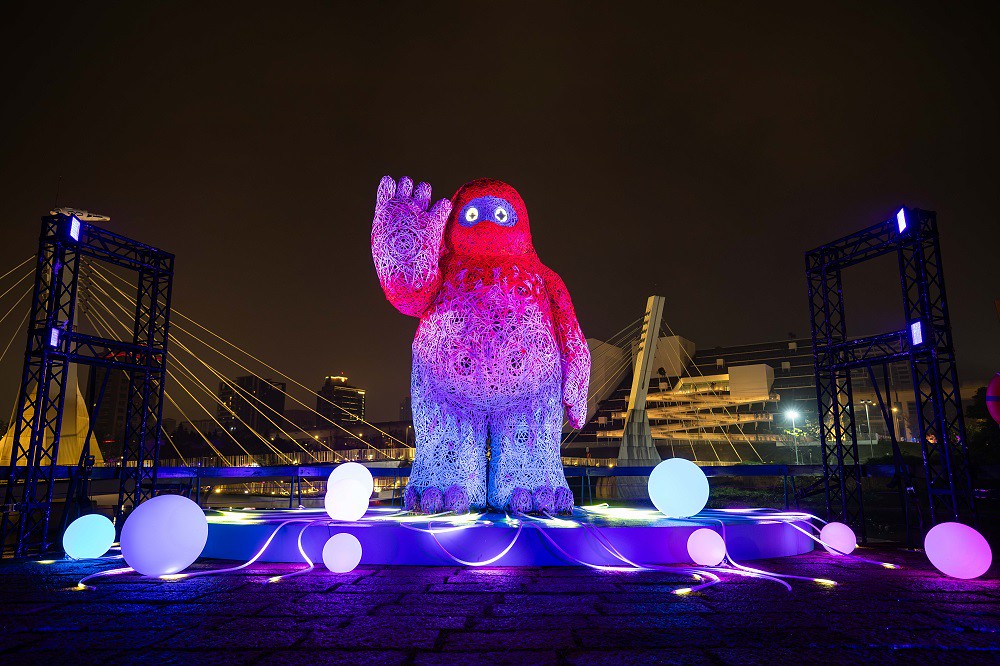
point(500, 215)
point(472, 214)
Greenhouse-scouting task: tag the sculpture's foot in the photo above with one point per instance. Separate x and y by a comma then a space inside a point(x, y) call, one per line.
point(564, 501)
point(520, 501)
point(431, 500)
point(456, 499)
point(543, 500)
point(411, 499)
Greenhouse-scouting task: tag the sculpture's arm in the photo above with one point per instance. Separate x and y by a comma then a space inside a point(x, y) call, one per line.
point(406, 243)
point(573, 349)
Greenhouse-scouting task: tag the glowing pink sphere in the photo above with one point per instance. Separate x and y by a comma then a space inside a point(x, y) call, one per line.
point(838, 537)
point(706, 547)
point(958, 551)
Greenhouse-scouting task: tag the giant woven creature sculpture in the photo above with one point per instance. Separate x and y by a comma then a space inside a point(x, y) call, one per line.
point(498, 353)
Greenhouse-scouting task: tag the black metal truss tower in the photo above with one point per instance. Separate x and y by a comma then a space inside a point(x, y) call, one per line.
point(54, 343)
point(925, 342)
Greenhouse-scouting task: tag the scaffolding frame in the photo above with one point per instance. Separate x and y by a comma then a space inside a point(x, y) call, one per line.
point(53, 343)
point(925, 342)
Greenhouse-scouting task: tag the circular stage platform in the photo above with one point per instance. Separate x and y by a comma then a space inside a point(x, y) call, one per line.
point(591, 535)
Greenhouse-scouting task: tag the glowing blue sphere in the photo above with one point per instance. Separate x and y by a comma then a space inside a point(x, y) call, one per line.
point(958, 550)
point(88, 537)
point(678, 488)
point(164, 535)
point(342, 553)
point(706, 547)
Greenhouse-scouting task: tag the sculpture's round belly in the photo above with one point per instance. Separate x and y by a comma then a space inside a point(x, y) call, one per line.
point(487, 350)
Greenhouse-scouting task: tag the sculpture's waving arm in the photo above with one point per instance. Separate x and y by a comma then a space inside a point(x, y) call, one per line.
point(572, 348)
point(406, 243)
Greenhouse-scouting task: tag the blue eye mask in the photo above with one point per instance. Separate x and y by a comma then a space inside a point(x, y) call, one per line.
point(496, 210)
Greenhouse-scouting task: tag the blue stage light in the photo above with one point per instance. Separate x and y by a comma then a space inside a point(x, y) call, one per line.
point(901, 220)
point(917, 333)
point(678, 488)
point(53, 337)
point(88, 537)
point(74, 228)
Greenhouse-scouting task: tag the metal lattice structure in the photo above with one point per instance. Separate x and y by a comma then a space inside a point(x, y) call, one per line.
point(54, 343)
point(925, 342)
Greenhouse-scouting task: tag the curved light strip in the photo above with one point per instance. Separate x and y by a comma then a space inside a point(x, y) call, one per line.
point(464, 562)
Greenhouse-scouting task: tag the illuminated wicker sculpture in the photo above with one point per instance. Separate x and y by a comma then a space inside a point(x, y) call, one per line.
point(498, 352)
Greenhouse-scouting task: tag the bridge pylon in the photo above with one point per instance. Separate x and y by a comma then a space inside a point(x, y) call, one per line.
point(637, 449)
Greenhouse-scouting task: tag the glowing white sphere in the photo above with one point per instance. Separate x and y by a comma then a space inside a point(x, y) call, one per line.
point(164, 535)
point(958, 550)
point(346, 499)
point(678, 488)
point(356, 471)
point(88, 537)
point(706, 547)
point(838, 536)
point(342, 553)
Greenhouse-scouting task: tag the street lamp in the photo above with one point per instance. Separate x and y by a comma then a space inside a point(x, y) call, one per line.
point(794, 414)
point(868, 423)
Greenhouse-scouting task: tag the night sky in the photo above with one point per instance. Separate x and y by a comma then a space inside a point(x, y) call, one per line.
point(694, 152)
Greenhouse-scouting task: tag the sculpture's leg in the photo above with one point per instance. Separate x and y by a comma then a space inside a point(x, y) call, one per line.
point(525, 454)
point(450, 456)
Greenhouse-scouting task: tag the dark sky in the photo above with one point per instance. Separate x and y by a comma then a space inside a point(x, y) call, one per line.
point(692, 151)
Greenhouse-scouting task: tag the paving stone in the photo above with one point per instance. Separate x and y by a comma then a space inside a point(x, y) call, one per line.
point(504, 658)
point(639, 657)
point(353, 657)
point(526, 639)
point(430, 615)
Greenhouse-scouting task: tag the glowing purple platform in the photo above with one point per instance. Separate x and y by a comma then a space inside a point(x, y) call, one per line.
point(593, 535)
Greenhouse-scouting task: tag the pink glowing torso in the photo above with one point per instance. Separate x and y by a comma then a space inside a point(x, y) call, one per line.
point(487, 339)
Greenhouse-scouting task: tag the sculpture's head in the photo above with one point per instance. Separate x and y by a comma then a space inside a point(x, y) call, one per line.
point(488, 218)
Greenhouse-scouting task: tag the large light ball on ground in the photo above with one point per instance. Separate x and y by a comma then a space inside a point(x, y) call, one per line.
point(342, 553)
point(88, 537)
point(356, 471)
point(706, 547)
point(958, 550)
point(346, 499)
point(993, 397)
point(838, 537)
point(164, 535)
point(678, 488)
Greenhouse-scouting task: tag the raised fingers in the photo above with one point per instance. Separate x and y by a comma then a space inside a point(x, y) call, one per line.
point(422, 195)
point(386, 190)
point(404, 189)
point(439, 212)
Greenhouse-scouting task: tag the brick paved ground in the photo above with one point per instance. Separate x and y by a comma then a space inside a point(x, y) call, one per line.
point(401, 615)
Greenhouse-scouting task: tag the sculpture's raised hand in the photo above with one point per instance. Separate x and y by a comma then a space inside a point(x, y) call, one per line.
point(406, 243)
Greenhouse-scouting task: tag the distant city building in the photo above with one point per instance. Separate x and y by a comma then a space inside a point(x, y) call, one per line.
point(203, 426)
point(741, 402)
point(301, 418)
point(253, 404)
point(339, 402)
point(109, 416)
point(406, 409)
